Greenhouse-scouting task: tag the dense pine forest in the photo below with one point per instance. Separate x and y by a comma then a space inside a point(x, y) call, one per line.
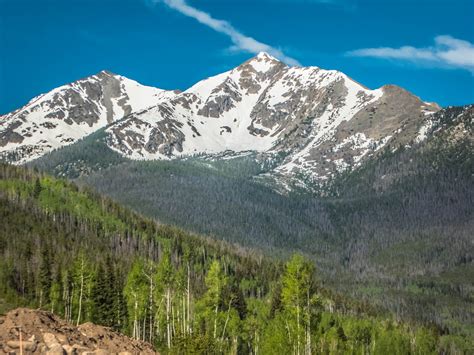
point(68, 250)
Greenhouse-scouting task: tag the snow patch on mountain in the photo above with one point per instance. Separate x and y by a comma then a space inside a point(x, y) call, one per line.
point(71, 112)
point(317, 122)
point(325, 126)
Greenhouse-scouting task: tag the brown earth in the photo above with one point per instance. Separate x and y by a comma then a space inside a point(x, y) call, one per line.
point(44, 333)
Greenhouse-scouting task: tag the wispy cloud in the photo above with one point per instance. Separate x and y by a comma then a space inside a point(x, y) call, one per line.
point(447, 52)
point(240, 41)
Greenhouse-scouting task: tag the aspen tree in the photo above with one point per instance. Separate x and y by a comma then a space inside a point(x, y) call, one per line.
point(295, 291)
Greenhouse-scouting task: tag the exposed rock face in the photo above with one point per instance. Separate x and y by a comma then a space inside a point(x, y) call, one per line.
point(71, 112)
point(457, 123)
point(44, 333)
point(321, 121)
point(393, 119)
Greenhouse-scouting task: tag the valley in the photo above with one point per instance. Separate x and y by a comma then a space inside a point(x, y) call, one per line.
point(201, 210)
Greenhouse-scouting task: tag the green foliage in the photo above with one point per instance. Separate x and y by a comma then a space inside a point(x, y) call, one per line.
point(395, 232)
point(87, 155)
point(276, 339)
point(135, 293)
point(295, 296)
point(183, 293)
point(45, 277)
point(37, 189)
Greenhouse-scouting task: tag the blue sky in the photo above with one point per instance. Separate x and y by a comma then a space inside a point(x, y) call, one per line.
point(425, 46)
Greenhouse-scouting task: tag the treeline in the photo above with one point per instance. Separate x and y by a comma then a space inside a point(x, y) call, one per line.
point(86, 258)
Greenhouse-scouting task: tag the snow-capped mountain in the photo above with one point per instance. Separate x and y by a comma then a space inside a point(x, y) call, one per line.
point(70, 112)
point(318, 122)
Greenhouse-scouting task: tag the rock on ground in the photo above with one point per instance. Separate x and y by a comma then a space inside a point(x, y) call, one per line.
point(44, 333)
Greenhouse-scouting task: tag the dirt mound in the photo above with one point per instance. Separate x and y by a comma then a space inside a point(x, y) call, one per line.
point(45, 333)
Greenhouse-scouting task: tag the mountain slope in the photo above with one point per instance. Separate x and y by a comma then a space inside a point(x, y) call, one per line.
point(396, 231)
point(321, 121)
point(315, 122)
point(86, 258)
point(70, 112)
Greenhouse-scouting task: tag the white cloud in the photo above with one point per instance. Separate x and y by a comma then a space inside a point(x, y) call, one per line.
point(240, 41)
point(447, 52)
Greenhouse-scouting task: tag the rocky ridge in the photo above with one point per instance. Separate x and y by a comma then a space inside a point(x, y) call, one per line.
point(71, 112)
point(320, 121)
point(314, 122)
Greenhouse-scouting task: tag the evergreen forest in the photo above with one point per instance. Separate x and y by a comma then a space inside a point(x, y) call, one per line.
point(69, 250)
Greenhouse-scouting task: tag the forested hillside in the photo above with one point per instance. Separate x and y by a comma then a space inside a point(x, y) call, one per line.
point(84, 257)
point(396, 232)
point(415, 217)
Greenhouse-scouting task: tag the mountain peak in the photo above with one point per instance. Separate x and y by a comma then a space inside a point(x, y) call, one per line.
point(265, 56)
point(263, 105)
point(72, 111)
point(105, 72)
point(262, 62)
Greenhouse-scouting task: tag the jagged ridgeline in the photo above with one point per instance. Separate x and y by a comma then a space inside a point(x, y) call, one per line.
point(317, 121)
point(82, 256)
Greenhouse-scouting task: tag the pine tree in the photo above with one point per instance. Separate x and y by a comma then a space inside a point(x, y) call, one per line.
point(100, 298)
point(111, 294)
point(120, 304)
point(37, 188)
point(45, 276)
point(57, 292)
